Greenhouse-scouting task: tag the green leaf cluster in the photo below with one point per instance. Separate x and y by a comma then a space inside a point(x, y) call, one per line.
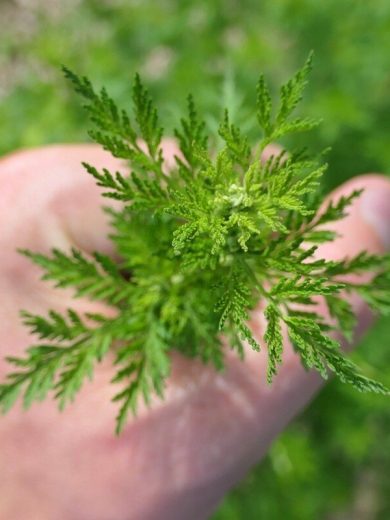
point(199, 244)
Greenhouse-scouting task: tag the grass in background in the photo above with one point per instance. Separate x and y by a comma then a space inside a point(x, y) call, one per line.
point(334, 462)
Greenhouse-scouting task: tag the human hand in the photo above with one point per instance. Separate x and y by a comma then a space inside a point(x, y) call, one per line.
point(178, 459)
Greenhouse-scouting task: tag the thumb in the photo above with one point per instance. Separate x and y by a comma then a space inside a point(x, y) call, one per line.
point(366, 228)
point(368, 223)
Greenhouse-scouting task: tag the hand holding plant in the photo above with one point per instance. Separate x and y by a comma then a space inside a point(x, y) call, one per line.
point(211, 426)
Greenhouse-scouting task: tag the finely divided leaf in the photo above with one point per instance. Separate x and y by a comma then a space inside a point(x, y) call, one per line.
point(196, 246)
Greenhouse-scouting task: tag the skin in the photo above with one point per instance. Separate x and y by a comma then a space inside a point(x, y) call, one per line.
point(179, 458)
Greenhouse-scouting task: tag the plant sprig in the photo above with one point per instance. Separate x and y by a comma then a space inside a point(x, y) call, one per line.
point(199, 247)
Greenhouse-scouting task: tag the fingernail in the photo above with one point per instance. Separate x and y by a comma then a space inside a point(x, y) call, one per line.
point(375, 210)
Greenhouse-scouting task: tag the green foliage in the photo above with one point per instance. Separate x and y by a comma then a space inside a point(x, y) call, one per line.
point(296, 478)
point(290, 95)
point(49, 367)
point(199, 247)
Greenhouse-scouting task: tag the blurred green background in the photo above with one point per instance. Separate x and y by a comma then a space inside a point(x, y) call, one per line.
point(334, 461)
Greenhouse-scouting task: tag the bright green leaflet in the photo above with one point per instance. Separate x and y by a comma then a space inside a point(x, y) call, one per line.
point(199, 245)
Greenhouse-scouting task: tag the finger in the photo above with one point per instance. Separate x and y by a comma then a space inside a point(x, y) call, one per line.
point(48, 200)
point(271, 150)
point(80, 210)
point(47, 197)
